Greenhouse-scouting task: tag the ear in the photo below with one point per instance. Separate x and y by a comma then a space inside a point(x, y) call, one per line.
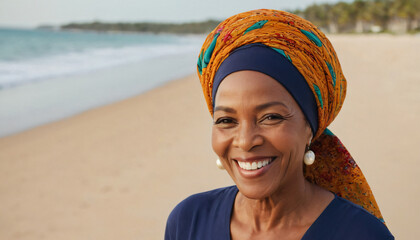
point(309, 134)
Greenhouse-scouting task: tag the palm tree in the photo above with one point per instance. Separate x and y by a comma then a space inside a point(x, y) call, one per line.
point(381, 12)
point(361, 14)
point(407, 9)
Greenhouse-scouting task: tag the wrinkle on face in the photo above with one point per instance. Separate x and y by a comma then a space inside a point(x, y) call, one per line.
point(245, 97)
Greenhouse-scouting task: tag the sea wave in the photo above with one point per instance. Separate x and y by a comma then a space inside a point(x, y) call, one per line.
point(13, 73)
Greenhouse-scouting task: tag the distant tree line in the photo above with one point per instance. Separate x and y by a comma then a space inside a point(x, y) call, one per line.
point(365, 16)
point(359, 16)
point(181, 28)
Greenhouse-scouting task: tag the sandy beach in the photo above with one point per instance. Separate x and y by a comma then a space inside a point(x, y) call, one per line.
point(116, 172)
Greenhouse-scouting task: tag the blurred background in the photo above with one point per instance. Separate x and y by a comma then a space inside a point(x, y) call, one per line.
point(103, 129)
point(44, 43)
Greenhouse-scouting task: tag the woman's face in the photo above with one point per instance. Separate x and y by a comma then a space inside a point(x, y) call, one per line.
point(260, 134)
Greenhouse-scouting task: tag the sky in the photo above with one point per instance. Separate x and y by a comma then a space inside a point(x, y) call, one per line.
point(32, 13)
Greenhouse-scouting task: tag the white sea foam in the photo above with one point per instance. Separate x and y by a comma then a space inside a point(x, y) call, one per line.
point(23, 71)
point(74, 72)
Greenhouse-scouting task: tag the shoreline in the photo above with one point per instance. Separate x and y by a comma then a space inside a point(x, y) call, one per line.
point(45, 101)
point(116, 171)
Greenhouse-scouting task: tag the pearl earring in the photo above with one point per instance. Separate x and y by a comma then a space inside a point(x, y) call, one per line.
point(309, 157)
point(219, 164)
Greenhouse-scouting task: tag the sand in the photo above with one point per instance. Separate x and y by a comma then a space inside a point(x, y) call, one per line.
point(115, 172)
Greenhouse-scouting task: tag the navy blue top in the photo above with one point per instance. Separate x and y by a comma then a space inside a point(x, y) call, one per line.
point(207, 216)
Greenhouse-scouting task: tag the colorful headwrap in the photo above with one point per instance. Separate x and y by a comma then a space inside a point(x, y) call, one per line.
point(311, 53)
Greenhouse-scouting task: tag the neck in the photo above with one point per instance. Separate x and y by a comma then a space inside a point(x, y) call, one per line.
point(284, 208)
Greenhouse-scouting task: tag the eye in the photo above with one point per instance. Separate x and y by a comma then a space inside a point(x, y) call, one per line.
point(225, 122)
point(272, 118)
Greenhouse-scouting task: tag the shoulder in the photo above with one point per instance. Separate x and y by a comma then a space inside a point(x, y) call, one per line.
point(353, 222)
point(199, 211)
point(202, 202)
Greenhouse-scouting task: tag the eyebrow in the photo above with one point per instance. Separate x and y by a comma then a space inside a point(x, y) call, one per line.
point(225, 109)
point(269, 104)
point(258, 108)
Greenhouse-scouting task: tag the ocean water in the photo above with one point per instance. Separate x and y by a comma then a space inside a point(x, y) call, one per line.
point(30, 55)
point(48, 75)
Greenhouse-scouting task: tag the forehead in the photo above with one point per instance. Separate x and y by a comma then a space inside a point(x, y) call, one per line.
point(251, 87)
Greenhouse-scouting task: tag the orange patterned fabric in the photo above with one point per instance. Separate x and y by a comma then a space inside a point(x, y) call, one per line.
point(308, 49)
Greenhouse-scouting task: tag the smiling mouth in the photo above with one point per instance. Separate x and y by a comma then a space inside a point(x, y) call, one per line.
point(250, 166)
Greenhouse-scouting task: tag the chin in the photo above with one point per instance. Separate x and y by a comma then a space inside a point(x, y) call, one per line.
point(255, 190)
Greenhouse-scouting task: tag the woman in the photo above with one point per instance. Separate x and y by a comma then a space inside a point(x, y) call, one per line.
point(273, 84)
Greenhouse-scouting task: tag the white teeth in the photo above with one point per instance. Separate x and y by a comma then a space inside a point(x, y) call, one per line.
point(248, 166)
point(254, 165)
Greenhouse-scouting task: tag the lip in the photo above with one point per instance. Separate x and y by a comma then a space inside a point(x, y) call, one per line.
point(253, 173)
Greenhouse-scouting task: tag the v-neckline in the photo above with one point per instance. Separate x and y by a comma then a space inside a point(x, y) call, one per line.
point(317, 221)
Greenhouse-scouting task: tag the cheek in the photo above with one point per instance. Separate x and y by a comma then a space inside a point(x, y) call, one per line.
point(220, 142)
point(288, 141)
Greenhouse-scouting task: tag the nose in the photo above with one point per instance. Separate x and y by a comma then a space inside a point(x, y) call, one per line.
point(247, 137)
